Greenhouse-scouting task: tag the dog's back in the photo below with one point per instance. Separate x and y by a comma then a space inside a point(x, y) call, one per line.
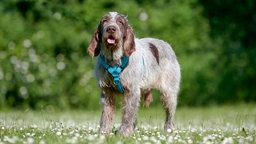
point(157, 62)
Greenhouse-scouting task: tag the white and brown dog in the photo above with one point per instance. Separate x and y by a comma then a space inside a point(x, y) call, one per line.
point(133, 67)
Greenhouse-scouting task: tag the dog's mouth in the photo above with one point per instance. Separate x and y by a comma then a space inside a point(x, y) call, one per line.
point(111, 40)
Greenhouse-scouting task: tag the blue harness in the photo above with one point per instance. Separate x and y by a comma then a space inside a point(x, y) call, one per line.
point(115, 71)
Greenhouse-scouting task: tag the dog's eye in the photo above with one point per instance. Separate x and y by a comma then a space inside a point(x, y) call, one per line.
point(104, 21)
point(120, 22)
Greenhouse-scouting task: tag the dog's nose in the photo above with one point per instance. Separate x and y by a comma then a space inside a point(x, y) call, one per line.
point(111, 29)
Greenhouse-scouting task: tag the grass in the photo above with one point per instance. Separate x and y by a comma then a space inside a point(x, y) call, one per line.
point(225, 124)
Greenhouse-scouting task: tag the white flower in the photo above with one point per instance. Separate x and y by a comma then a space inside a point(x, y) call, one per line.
point(58, 133)
point(119, 142)
point(57, 15)
point(153, 139)
point(30, 140)
point(193, 130)
point(145, 138)
point(61, 65)
point(42, 142)
point(170, 139)
point(143, 16)
point(27, 43)
point(90, 137)
point(10, 140)
point(1, 75)
point(169, 130)
point(249, 138)
point(72, 140)
point(102, 137)
point(23, 91)
point(228, 140)
point(33, 126)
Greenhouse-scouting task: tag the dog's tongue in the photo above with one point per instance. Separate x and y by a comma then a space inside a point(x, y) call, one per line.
point(111, 41)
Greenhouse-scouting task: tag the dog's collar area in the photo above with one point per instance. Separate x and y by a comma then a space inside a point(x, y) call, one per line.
point(115, 71)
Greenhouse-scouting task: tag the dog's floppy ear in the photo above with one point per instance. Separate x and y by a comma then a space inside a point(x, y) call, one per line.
point(95, 44)
point(129, 43)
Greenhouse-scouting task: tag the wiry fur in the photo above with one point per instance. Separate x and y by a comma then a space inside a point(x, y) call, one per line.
point(152, 65)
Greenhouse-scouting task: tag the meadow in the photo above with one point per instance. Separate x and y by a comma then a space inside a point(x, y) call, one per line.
point(215, 124)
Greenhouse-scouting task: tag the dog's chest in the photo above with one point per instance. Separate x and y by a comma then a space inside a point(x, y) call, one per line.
point(106, 80)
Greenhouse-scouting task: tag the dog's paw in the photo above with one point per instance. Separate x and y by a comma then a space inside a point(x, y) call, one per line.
point(104, 131)
point(126, 130)
point(169, 126)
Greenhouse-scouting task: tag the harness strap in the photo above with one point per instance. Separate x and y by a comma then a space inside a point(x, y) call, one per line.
point(115, 71)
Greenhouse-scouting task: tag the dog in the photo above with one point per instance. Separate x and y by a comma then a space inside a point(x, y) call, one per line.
point(132, 67)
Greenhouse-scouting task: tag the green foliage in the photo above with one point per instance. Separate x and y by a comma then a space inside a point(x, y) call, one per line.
point(44, 61)
point(233, 27)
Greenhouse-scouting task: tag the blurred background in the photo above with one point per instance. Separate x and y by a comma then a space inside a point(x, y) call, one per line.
point(44, 62)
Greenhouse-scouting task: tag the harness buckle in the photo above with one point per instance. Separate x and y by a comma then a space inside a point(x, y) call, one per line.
point(115, 71)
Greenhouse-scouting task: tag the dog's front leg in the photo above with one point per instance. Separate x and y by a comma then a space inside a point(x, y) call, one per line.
point(108, 108)
point(130, 107)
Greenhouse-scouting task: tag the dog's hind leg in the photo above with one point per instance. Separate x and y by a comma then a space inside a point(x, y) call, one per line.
point(169, 90)
point(169, 101)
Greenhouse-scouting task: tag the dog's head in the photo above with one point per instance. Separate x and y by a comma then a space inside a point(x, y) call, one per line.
point(113, 33)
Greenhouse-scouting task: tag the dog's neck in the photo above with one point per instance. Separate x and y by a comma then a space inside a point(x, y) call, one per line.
point(113, 57)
